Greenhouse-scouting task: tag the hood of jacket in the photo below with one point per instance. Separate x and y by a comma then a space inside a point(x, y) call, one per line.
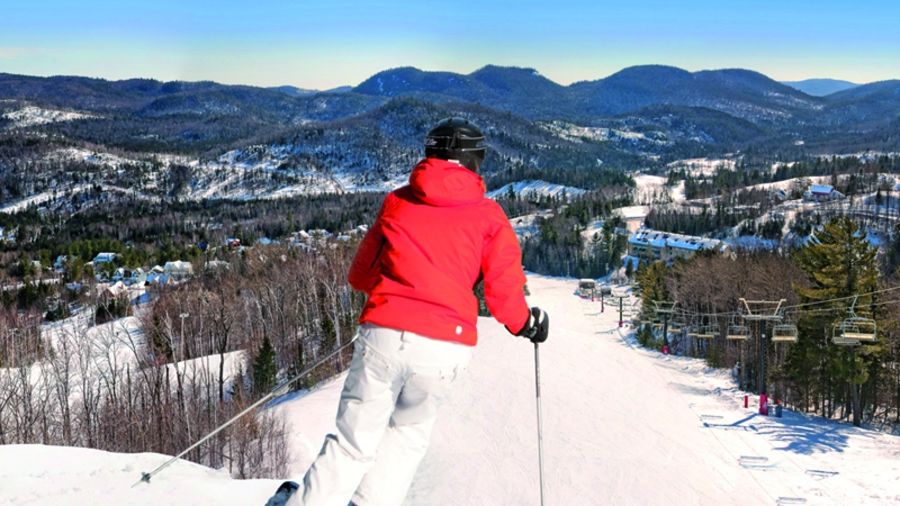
point(443, 183)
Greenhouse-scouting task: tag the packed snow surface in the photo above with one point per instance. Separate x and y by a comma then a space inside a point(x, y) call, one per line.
point(622, 425)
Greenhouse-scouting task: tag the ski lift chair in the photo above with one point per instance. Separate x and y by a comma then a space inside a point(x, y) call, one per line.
point(784, 333)
point(843, 341)
point(850, 333)
point(854, 329)
point(708, 331)
point(839, 337)
point(693, 331)
point(859, 329)
point(738, 333)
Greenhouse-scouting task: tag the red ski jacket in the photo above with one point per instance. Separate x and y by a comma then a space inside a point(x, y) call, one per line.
point(431, 242)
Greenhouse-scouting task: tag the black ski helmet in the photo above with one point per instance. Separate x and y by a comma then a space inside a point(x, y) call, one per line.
point(456, 139)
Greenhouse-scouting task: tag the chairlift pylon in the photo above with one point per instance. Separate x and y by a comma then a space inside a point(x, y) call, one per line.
point(762, 310)
point(664, 306)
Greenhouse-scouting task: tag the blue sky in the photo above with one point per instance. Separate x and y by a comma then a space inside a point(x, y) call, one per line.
point(321, 44)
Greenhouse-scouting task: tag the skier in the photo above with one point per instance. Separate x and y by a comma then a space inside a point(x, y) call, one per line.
point(432, 241)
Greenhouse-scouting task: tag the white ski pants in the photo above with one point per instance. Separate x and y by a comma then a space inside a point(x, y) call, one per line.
point(396, 382)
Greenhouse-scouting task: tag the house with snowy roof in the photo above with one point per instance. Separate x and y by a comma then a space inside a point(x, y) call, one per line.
point(822, 193)
point(103, 258)
point(59, 265)
point(107, 292)
point(178, 269)
point(652, 245)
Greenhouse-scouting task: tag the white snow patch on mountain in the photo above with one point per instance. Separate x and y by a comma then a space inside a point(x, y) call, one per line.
point(633, 212)
point(51, 195)
point(622, 425)
point(653, 190)
point(527, 225)
point(578, 133)
point(242, 175)
point(536, 188)
point(38, 199)
point(703, 166)
point(31, 115)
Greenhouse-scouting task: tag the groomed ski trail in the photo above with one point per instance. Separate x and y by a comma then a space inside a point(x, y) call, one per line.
point(622, 426)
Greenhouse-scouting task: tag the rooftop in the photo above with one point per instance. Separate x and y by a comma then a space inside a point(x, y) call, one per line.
point(657, 239)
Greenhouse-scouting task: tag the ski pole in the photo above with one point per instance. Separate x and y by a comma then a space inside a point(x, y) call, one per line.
point(537, 390)
point(278, 390)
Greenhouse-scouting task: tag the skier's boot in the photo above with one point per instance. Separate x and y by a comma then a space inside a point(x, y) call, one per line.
point(284, 492)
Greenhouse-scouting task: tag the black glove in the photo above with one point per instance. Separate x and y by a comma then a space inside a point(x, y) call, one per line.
point(537, 328)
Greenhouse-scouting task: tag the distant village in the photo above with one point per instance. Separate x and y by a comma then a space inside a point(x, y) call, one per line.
point(113, 282)
point(647, 246)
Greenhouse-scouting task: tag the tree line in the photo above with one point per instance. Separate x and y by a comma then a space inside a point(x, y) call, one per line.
point(819, 283)
point(198, 354)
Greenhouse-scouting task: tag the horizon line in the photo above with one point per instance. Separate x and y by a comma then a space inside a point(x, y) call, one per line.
point(305, 88)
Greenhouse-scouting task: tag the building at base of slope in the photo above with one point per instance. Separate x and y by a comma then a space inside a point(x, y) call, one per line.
point(652, 245)
point(822, 193)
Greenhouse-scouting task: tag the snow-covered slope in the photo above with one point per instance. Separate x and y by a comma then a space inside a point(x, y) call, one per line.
point(621, 426)
point(52, 475)
point(30, 115)
point(534, 187)
point(653, 190)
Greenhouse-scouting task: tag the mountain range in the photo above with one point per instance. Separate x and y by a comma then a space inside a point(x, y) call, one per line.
point(741, 93)
point(642, 116)
point(820, 87)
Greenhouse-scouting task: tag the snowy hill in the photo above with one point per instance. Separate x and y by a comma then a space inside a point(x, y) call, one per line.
point(31, 115)
point(820, 87)
point(621, 426)
point(536, 188)
point(44, 475)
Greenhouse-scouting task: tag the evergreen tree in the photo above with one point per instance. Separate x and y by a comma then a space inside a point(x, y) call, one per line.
point(264, 369)
point(651, 280)
point(840, 265)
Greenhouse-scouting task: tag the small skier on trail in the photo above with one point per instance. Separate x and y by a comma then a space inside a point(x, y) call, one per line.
point(432, 241)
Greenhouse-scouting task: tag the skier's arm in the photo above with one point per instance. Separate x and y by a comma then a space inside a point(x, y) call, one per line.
point(504, 280)
point(365, 268)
